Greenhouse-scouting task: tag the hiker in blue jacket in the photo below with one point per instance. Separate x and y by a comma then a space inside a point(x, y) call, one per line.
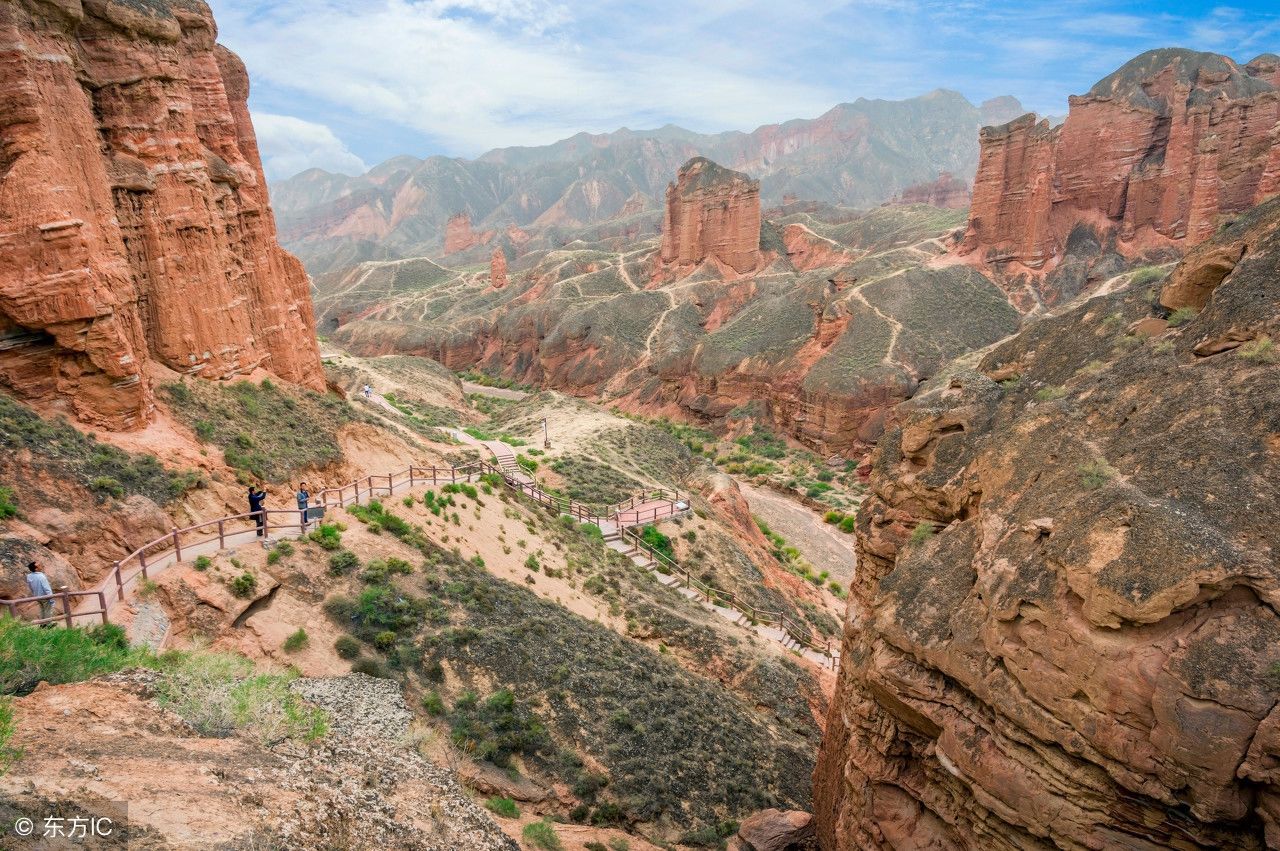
point(38, 585)
point(304, 502)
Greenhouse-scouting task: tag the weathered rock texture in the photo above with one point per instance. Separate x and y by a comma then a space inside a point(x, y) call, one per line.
point(1081, 654)
point(498, 269)
point(946, 191)
point(134, 220)
point(459, 235)
point(711, 213)
point(1149, 158)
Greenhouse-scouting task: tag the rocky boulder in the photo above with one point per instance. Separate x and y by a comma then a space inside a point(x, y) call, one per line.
point(776, 830)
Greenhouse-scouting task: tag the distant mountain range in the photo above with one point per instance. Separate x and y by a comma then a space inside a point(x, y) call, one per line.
point(858, 154)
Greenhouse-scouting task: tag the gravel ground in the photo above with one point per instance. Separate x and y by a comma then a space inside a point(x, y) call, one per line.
point(359, 706)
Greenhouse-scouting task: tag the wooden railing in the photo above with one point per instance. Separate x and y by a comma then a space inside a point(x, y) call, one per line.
point(65, 597)
point(767, 617)
point(239, 528)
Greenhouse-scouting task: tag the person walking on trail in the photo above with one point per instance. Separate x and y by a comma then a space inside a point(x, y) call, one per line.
point(38, 585)
point(304, 502)
point(368, 392)
point(257, 496)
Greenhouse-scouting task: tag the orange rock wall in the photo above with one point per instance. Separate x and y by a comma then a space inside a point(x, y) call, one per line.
point(134, 220)
point(1153, 155)
point(711, 212)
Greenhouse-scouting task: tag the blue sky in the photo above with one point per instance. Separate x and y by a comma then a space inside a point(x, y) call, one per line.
point(345, 84)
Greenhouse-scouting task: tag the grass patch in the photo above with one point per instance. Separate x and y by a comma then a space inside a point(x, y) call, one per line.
point(1049, 394)
point(297, 641)
point(1261, 350)
point(496, 729)
point(1182, 316)
point(541, 835)
point(504, 807)
point(266, 431)
point(60, 450)
point(29, 655)
point(921, 534)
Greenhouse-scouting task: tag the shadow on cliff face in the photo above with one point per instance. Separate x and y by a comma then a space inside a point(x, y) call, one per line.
point(1084, 651)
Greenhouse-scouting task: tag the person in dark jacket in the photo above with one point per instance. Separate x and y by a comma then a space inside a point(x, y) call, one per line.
point(304, 502)
point(257, 496)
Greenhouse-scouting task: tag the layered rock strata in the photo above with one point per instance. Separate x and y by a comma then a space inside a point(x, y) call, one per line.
point(134, 219)
point(1064, 631)
point(711, 213)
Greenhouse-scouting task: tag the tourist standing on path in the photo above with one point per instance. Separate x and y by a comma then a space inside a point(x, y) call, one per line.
point(257, 496)
point(38, 585)
point(368, 392)
point(304, 502)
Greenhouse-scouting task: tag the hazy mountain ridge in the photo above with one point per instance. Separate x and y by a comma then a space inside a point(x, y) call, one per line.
point(857, 154)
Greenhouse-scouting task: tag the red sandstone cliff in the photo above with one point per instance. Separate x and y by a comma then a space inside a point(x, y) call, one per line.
point(459, 235)
point(946, 191)
point(134, 221)
point(498, 269)
point(1151, 156)
point(711, 213)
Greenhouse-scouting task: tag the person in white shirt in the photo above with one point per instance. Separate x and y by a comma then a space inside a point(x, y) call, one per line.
point(38, 585)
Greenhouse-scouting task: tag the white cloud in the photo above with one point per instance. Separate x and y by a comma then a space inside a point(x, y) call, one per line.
point(290, 145)
point(475, 74)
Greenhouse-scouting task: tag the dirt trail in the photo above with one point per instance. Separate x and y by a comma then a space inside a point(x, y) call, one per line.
point(825, 547)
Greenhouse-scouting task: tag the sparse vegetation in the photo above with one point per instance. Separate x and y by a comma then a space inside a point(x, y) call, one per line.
point(1144, 275)
point(504, 807)
point(264, 430)
point(8, 754)
point(921, 533)
point(202, 563)
point(541, 835)
point(343, 562)
point(1182, 316)
point(1095, 474)
point(61, 451)
point(497, 728)
point(1261, 350)
point(1049, 394)
point(327, 536)
point(8, 503)
point(296, 641)
point(347, 647)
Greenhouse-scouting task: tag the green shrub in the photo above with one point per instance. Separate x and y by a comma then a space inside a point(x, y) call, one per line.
point(1096, 474)
point(244, 585)
point(1182, 316)
point(8, 504)
point(837, 589)
point(296, 641)
point(497, 729)
point(849, 524)
point(921, 533)
point(1145, 275)
point(504, 807)
point(531, 562)
point(527, 463)
point(343, 562)
point(202, 563)
point(434, 705)
point(1261, 350)
point(832, 517)
point(110, 635)
point(370, 666)
point(347, 647)
point(540, 834)
point(327, 535)
point(384, 640)
point(29, 654)
point(617, 843)
point(658, 541)
point(105, 486)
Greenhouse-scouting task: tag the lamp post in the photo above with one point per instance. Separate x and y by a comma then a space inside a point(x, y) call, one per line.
point(546, 438)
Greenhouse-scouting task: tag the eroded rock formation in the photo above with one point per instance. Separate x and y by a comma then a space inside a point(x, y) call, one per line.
point(946, 191)
point(459, 235)
point(498, 269)
point(1064, 624)
point(134, 220)
point(1149, 158)
point(711, 213)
